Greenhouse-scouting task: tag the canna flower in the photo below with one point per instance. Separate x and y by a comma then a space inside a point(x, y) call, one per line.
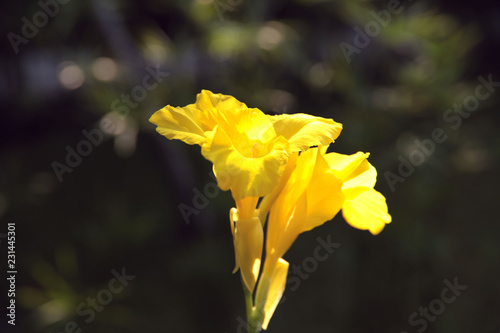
point(314, 187)
point(256, 155)
point(249, 151)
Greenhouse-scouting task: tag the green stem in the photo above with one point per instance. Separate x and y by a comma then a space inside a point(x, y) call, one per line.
point(254, 320)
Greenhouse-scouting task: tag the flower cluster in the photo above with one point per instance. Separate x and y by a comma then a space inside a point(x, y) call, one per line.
point(282, 160)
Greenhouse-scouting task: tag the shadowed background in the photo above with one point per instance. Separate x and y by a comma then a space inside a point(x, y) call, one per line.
point(95, 71)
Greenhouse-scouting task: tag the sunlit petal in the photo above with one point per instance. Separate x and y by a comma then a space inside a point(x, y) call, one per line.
point(304, 131)
point(180, 123)
point(349, 167)
point(311, 196)
point(248, 245)
point(218, 106)
point(324, 200)
point(270, 289)
point(245, 175)
point(268, 200)
point(365, 209)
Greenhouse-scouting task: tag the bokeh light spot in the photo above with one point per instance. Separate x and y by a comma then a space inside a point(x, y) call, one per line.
point(269, 36)
point(113, 123)
point(71, 76)
point(319, 75)
point(104, 69)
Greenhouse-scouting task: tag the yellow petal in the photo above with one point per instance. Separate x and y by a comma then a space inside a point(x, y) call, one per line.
point(311, 196)
point(299, 179)
point(189, 123)
point(180, 123)
point(238, 170)
point(289, 211)
point(365, 209)
point(354, 170)
point(250, 131)
point(365, 175)
point(270, 289)
point(284, 226)
point(304, 131)
point(268, 200)
point(218, 106)
point(248, 242)
point(324, 200)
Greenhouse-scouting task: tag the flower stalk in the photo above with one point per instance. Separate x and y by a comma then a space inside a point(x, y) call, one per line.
point(254, 317)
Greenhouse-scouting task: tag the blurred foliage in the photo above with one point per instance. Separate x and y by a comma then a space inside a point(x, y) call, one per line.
point(118, 208)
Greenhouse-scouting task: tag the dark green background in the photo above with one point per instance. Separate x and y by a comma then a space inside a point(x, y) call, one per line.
point(119, 208)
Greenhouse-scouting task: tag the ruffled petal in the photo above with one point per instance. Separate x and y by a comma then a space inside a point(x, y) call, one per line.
point(365, 209)
point(250, 132)
point(189, 123)
point(217, 106)
point(244, 175)
point(183, 124)
point(304, 131)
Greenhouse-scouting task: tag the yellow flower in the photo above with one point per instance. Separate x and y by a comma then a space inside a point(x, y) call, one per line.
point(249, 151)
point(256, 155)
point(313, 189)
